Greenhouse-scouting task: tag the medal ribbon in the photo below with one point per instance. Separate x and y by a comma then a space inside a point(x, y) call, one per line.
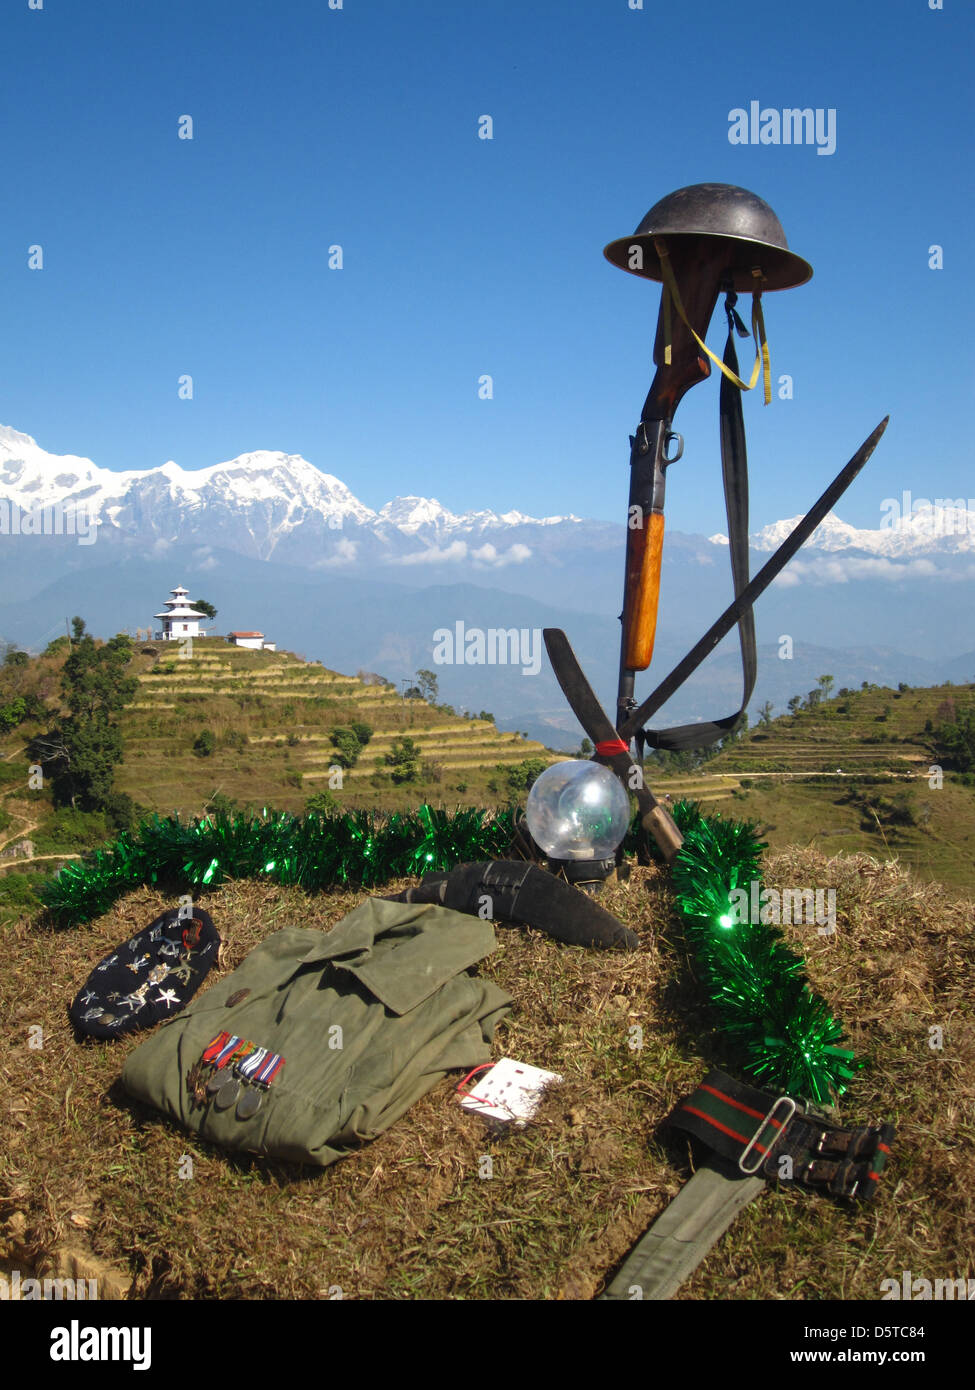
point(254, 1063)
point(230, 1049)
point(246, 1069)
point(270, 1069)
point(214, 1047)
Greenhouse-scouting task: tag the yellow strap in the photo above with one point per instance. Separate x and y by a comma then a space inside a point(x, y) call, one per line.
point(758, 333)
point(668, 327)
point(763, 362)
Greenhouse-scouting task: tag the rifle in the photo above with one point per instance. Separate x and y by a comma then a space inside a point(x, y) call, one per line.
point(702, 266)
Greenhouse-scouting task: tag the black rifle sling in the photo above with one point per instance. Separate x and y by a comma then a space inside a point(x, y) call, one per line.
point(797, 537)
point(734, 470)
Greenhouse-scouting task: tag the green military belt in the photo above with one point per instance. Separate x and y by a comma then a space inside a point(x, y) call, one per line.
point(753, 1135)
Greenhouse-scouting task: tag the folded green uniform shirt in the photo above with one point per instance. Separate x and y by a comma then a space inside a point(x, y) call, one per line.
point(367, 1017)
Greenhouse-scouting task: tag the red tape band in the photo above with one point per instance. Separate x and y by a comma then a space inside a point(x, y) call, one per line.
point(611, 746)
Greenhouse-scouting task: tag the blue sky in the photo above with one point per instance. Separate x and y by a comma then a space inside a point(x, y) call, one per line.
point(463, 256)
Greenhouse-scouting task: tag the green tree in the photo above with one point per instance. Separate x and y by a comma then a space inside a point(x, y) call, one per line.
point(207, 609)
point(403, 760)
point(826, 684)
point(954, 738)
point(12, 714)
point(427, 684)
point(85, 747)
point(323, 803)
point(362, 731)
point(13, 657)
point(522, 776)
point(205, 743)
point(795, 704)
point(585, 749)
point(347, 747)
point(93, 679)
point(765, 713)
point(121, 812)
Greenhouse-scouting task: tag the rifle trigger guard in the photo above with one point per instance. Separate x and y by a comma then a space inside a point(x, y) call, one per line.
point(670, 436)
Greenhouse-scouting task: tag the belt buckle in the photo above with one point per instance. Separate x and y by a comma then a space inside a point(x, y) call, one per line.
point(841, 1143)
point(782, 1100)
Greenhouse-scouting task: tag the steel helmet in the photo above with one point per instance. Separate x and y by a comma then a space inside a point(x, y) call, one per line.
point(752, 232)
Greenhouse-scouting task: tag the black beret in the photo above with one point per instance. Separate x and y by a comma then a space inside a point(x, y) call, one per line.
point(148, 978)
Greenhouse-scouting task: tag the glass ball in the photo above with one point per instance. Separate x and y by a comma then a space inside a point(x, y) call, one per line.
point(578, 810)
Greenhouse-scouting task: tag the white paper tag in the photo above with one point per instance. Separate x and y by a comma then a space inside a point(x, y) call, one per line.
point(510, 1092)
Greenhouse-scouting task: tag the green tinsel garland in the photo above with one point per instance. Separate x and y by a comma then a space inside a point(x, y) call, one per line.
point(359, 849)
point(755, 982)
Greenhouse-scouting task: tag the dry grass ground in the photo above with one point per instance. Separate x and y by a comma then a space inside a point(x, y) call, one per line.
point(411, 1215)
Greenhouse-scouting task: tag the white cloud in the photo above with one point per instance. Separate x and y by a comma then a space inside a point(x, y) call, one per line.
point(490, 557)
point(344, 553)
point(486, 556)
point(841, 569)
point(433, 555)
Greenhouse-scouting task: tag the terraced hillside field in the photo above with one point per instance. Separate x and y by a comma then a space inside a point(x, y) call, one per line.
point(872, 730)
point(853, 773)
point(272, 715)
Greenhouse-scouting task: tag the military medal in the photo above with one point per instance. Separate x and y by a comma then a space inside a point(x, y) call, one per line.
point(245, 1057)
point(260, 1069)
point(217, 1054)
point(249, 1103)
point(242, 1072)
point(247, 1068)
point(228, 1093)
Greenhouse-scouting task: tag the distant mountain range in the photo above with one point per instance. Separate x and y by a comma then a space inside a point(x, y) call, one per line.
point(275, 543)
point(279, 506)
point(265, 505)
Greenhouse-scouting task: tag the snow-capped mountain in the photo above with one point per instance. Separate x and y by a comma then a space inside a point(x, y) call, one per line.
point(275, 505)
point(912, 527)
point(262, 504)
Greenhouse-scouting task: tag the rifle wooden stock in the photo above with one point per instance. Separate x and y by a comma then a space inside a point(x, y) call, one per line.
point(644, 553)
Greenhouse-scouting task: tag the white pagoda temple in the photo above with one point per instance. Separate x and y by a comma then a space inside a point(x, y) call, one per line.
point(180, 619)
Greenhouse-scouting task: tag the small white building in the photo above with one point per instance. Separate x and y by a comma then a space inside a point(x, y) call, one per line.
point(179, 619)
point(254, 640)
